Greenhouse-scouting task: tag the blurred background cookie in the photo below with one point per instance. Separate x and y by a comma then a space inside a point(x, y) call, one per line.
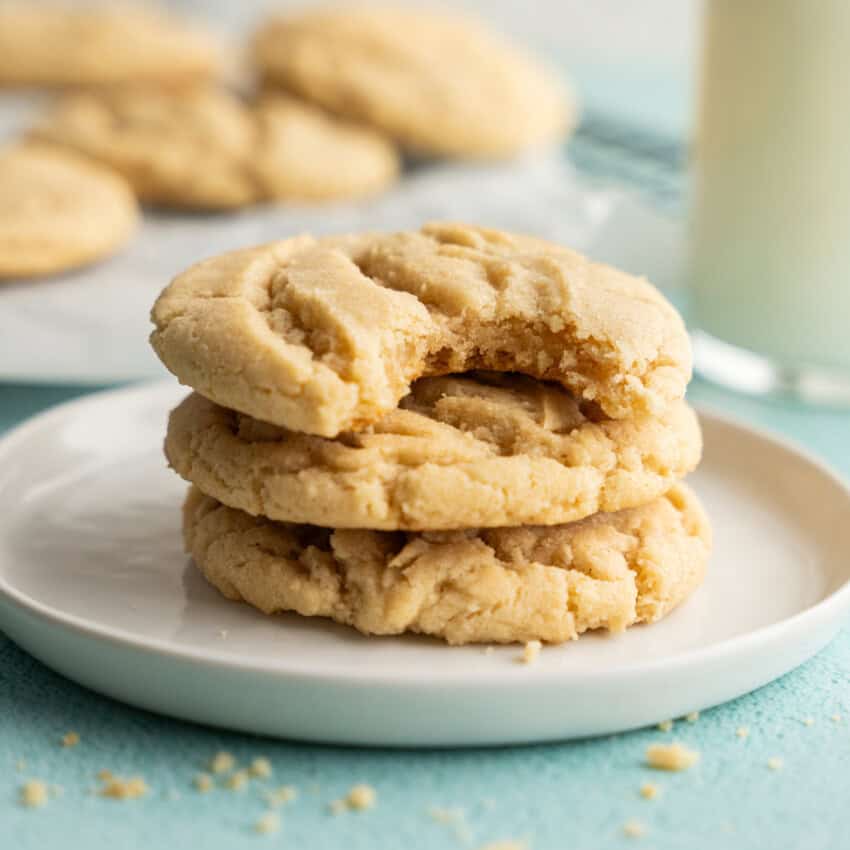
point(207, 149)
point(63, 44)
point(58, 211)
point(439, 83)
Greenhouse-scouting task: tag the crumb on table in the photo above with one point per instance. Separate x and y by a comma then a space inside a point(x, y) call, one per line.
point(775, 763)
point(360, 797)
point(203, 782)
point(260, 767)
point(673, 756)
point(70, 739)
point(531, 652)
point(633, 829)
point(124, 789)
point(268, 823)
point(649, 790)
point(280, 796)
point(665, 725)
point(742, 731)
point(222, 762)
point(34, 793)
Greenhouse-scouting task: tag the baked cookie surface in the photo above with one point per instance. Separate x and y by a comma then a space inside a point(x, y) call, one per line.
point(206, 149)
point(60, 44)
point(436, 82)
point(58, 211)
point(327, 335)
point(480, 450)
point(547, 583)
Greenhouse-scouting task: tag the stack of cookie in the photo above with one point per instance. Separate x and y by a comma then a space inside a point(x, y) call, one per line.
point(457, 432)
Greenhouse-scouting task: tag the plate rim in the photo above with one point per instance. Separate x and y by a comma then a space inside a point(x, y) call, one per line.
point(824, 611)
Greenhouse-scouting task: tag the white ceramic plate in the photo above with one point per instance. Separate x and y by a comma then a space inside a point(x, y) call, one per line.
point(91, 326)
point(94, 583)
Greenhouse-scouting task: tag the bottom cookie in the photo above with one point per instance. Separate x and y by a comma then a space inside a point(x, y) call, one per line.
point(500, 585)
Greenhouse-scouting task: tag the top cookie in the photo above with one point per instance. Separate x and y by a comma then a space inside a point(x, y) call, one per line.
point(326, 335)
point(50, 44)
point(206, 149)
point(58, 211)
point(438, 83)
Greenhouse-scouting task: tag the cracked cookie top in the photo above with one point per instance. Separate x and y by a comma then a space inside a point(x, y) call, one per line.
point(327, 335)
point(547, 583)
point(478, 450)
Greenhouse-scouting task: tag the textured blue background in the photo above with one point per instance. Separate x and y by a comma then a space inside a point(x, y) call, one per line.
point(557, 796)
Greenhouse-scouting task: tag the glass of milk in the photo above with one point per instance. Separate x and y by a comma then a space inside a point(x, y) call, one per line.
point(770, 269)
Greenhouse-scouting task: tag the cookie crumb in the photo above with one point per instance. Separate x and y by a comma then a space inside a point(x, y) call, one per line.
point(104, 775)
point(337, 807)
point(692, 717)
point(222, 633)
point(836, 718)
point(649, 790)
point(488, 650)
point(531, 652)
point(268, 823)
point(237, 780)
point(775, 763)
point(203, 782)
point(280, 796)
point(808, 721)
point(360, 797)
point(222, 762)
point(634, 829)
point(261, 767)
point(665, 725)
point(671, 756)
point(124, 789)
point(742, 731)
point(70, 739)
point(34, 794)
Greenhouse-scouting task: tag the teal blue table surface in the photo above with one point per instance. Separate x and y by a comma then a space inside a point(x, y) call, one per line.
point(559, 796)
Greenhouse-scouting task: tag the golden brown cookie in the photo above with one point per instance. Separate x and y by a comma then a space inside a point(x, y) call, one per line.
point(67, 44)
point(206, 149)
point(58, 211)
point(480, 450)
point(548, 583)
point(327, 335)
point(437, 82)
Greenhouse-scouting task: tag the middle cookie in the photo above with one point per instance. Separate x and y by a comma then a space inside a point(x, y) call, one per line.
point(478, 450)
